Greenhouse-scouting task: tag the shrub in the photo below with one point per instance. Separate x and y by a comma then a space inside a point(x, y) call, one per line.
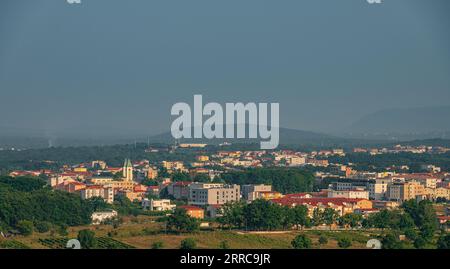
point(391, 241)
point(157, 245)
point(344, 243)
point(62, 230)
point(188, 243)
point(444, 242)
point(87, 239)
point(25, 227)
point(301, 242)
point(323, 240)
point(42, 226)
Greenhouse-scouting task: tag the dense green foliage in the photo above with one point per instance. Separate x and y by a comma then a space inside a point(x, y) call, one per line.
point(367, 162)
point(87, 239)
point(263, 215)
point(344, 242)
point(24, 184)
point(180, 221)
point(28, 200)
point(392, 241)
point(287, 180)
point(25, 227)
point(444, 241)
point(53, 158)
point(42, 226)
point(301, 242)
point(417, 221)
point(157, 245)
point(188, 243)
point(323, 240)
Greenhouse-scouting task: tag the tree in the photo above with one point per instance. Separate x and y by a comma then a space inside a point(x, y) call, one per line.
point(188, 243)
point(420, 242)
point(444, 241)
point(87, 239)
point(23, 184)
point(344, 242)
point(25, 227)
point(42, 226)
point(62, 230)
point(180, 176)
point(27, 199)
point(97, 204)
point(381, 219)
point(329, 216)
point(424, 217)
point(353, 220)
point(158, 245)
point(263, 215)
point(284, 180)
point(232, 214)
point(301, 242)
point(317, 217)
point(391, 241)
point(182, 222)
point(287, 220)
point(323, 240)
point(300, 216)
point(202, 178)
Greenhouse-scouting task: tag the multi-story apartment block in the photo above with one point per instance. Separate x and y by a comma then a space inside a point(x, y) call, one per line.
point(173, 165)
point(105, 192)
point(405, 191)
point(378, 188)
point(250, 192)
point(295, 161)
point(349, 194)
point(346, 184)
point(151, 172)
point(203, 194)
point(179, 189)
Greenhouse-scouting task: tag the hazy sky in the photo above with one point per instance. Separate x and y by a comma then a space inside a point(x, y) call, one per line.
point(117, 66)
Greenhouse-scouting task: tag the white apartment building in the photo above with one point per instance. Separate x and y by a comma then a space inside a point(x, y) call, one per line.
point(349, 194)
point(105, 192)
point(250, 192)
point(158, 205)
point(203, 194)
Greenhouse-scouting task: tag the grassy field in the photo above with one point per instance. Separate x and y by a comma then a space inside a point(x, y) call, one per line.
point(141, 232)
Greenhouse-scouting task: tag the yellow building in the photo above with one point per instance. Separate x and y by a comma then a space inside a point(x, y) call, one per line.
point(80, 169)
point(269, 195)
point(202, 158)
point(194, 211)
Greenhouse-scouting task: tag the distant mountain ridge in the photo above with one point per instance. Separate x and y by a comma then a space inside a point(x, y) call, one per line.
point(426, 121)
point(287, 136)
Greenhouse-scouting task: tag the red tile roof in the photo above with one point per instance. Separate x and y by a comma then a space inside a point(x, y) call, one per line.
point(182, 183)
point(190, 207)
point(315, 201)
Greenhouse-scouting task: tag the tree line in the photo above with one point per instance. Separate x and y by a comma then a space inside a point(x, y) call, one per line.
point(284, 180)
point(27, 201)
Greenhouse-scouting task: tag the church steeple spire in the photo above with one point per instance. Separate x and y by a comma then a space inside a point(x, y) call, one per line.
point(127, 170)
